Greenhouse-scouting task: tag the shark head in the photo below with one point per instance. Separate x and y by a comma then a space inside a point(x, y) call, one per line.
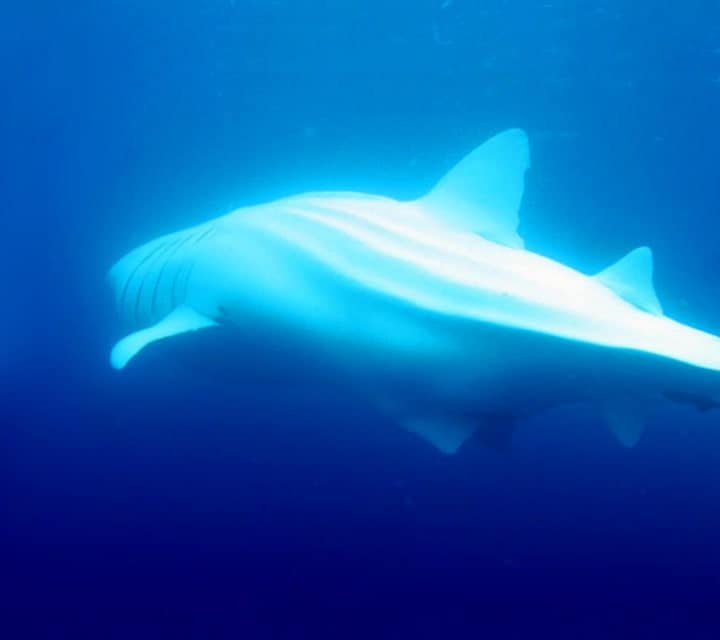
point(151, 281)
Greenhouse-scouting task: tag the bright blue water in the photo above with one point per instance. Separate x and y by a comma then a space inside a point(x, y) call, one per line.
point(164, 494)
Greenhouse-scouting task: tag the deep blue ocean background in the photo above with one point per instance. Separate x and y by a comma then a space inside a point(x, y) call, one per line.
point(165, 501)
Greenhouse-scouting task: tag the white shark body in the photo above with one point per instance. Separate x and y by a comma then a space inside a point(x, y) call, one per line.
point(431, 308)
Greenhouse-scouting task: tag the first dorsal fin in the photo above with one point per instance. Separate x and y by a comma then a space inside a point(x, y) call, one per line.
point(482, 193)
point(631, 278)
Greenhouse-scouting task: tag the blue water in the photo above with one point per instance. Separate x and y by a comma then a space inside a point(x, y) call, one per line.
point(168, 501)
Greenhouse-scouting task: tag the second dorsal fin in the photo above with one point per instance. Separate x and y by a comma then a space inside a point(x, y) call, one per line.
point(631, 278)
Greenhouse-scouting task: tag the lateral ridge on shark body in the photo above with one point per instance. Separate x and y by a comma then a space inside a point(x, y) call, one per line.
point(432, 308)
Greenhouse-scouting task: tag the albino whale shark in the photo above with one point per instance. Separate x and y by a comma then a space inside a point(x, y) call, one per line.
point(431, 308)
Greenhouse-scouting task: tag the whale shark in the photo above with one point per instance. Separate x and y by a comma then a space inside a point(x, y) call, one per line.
point(431, 309)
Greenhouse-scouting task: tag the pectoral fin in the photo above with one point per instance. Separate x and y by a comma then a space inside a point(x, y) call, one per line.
point(181, 320)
